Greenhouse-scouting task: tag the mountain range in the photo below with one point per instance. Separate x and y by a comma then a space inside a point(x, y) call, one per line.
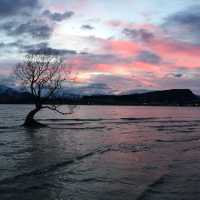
point(175, 97)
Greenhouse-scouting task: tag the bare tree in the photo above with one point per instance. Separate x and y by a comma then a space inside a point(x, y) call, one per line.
point(42, 75)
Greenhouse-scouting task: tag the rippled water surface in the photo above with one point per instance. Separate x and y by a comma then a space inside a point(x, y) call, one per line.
point(101, 153)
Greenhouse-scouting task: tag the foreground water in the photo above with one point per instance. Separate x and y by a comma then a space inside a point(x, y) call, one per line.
point(101, 153)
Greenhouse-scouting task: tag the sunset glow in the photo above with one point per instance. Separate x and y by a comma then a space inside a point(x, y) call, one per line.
point(143, 45)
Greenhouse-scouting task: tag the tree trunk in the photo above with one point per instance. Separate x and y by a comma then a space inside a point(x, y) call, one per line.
point(30, 121)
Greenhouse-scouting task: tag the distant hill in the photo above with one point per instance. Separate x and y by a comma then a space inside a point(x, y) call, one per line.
point(137, 91)
point(4, 90)
point(175, 97)
point(11, 96)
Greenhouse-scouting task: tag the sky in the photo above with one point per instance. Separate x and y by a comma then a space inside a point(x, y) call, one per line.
point(113, 46)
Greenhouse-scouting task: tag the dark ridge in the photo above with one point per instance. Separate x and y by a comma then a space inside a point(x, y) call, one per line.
point(11, 96)
point(174, 97)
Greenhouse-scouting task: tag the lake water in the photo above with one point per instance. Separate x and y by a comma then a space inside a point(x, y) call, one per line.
point(101, 153)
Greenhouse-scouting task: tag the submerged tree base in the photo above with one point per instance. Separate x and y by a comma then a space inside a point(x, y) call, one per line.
point(33, 124)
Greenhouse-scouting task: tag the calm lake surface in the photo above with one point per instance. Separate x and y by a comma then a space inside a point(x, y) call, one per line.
point(101, 153)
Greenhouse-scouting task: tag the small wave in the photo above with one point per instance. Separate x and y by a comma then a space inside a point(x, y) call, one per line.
point(67, 124)
point(2, 143)
point(8, 127)
point(79, 128)
point(21, 151)
point(192, 149)
point(175, 126)
point(140, 119)
point(54, 167)
point(75, 119)
point(133, 148)
point(125, 148)
point(149, 189)
point(181, 140)
point(37, 172)
point(126, 122)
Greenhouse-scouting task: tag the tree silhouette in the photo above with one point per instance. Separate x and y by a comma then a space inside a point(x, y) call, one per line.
point(42, 74)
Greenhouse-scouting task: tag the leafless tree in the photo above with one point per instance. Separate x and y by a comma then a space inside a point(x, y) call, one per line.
point(42, 74)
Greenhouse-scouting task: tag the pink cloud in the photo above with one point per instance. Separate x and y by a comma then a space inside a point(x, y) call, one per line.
point(173, 54)
point(123, 47)
point(180, 54)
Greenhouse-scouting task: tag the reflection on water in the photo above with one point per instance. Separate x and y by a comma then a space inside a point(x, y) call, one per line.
point(101, 153)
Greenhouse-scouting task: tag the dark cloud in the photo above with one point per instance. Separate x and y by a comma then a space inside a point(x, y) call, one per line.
point(95, 88)
point(38, 48)
point(43, 48)
point(189, 17)
point(34, 28)
point(31, 47)
point(25, 18)
point(138, 34)
point(2, 45)
point(149, 57)
point(9, 46)
point(88, 89)
point(87, 27)
point(10, 8)
point(58, 16)
point(179, 75)
point(21, 46)
point(184, 25)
